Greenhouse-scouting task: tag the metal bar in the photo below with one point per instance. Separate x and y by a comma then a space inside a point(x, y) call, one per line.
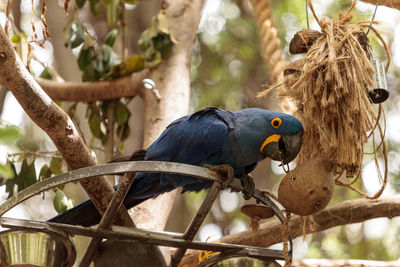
point(144, 236)
point(108, 217)
point(112, 168)
point(132, 166)
point(197, 221)
point(263, 198)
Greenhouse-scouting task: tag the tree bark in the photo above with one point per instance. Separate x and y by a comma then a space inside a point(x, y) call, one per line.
point(172, 80)
point(131, 85)
point(54, 121)
point(346, 212)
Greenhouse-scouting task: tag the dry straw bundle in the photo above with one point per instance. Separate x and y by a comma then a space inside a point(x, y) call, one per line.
point(329, 88)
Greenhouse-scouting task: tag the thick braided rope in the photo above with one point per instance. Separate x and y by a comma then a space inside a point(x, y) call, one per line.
point(270, 43)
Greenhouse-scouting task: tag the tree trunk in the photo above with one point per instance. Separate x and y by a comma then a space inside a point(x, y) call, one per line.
point(172, 80)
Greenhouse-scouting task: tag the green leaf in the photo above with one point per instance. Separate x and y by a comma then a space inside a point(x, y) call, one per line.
point(15, 39)
point(80, 3)
point(61, 201)
point(123, 131)
point(113, 13)
point(56, 166)
point(46, 74)
point(10, 134)
point(163, 43)
point(6, 172)
point(45, 172)
point(85, 58)
point(144, 40)
point(162, 23)
point(122, 114)
point(27, 175)
point(10, 183)
point(156, 60)
point(94, 7)
point(111, 38)
point(94, 124)
point(10, 187)
point(89, 74)
point(132, 64)
point(106, 52)
point(76, 34)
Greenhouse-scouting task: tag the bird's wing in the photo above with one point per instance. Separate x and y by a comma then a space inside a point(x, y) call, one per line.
point(192, 139)
point(196, 139)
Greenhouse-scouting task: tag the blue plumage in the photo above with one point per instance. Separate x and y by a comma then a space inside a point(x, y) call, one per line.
point(210, 136)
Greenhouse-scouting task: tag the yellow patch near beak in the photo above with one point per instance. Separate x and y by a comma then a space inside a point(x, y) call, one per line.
point(272, 138)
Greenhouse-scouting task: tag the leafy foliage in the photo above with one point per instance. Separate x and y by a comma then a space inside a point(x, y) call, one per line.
point(9, 134)
point(156, 42)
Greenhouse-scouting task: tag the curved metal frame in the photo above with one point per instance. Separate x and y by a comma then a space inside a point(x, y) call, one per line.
point(110, 169)
point(129, 167)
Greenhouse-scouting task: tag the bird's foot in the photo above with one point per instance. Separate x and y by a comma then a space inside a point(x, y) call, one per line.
point(248, 186)
point(226, 171)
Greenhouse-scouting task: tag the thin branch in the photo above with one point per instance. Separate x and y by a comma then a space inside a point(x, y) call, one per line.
point(346, 212)
point(91, 91)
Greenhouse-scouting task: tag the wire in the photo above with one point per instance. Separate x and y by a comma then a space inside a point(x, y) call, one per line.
point(308, 22)
point(373, 16)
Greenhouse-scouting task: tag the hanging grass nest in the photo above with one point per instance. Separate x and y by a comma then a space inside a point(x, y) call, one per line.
point(329, 90)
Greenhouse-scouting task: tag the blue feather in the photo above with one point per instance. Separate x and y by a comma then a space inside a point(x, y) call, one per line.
point(209, 136)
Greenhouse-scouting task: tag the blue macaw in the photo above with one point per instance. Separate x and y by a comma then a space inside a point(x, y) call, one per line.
point(210, 136)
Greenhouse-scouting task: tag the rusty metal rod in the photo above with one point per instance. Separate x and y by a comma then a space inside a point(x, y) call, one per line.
point(197, 221)
point(108, 217)
point(158, 238)
point(111, 168)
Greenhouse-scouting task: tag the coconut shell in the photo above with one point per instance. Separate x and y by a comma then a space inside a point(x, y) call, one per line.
point(306, 189)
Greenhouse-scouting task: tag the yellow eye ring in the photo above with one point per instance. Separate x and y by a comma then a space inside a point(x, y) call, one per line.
point(276, 122)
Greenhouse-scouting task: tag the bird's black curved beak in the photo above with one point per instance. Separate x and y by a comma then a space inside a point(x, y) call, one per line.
point(283, 148)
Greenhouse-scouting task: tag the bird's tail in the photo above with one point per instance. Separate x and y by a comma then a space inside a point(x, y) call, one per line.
point(85, 213)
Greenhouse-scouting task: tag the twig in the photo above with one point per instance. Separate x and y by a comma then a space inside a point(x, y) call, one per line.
point(46, 154)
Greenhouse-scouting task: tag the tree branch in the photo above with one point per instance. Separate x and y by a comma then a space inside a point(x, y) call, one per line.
point(54, 121)
point(91, 91)
point(346, 212)
point(172, 80)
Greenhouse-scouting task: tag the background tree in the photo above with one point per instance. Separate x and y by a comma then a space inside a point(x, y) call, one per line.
point(107, 47)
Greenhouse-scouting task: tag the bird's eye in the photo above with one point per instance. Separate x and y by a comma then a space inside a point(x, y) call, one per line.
point(276, 122)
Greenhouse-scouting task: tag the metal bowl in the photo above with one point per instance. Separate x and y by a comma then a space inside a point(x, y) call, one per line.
point(36, 249)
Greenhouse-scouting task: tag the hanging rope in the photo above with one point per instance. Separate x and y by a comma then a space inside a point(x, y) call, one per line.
point(270, 43)
point(285, 239)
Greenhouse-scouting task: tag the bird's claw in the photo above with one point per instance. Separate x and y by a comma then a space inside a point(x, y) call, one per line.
point(224, 169)
point(248, 186)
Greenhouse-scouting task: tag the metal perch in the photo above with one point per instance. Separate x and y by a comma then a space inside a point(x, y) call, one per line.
point(159, 238)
